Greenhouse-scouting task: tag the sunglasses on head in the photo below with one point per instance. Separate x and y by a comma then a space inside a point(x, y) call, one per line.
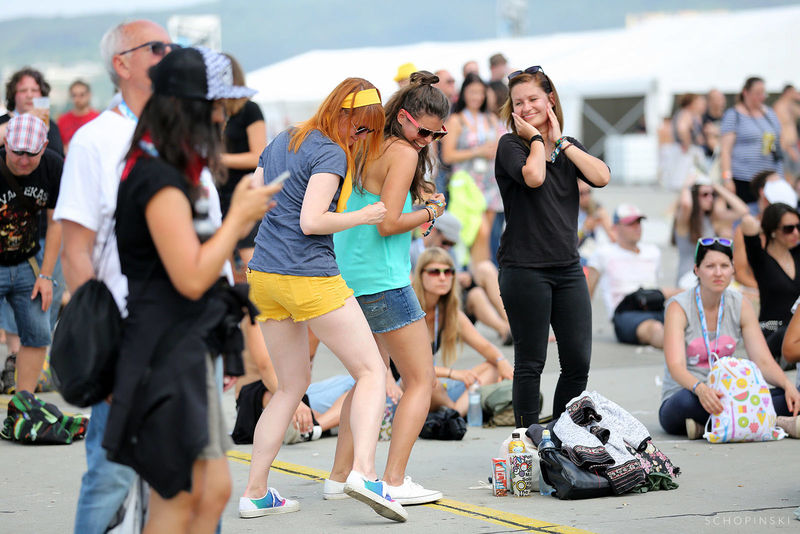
point(439, 272)
point(424, 132)
point(708, 241)
point(530, 70)
point(157, 48)
point(25, 153)
point(789, 228)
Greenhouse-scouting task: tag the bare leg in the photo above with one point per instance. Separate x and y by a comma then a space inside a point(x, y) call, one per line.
point(478, 305)
point(651, 332)
point(29, 366)
point(215, 490)
point(195, 512)
point(345, 331)
point(439, 398)
point(12, 343)
point(486, 276)
point(480, 248)
point(411, 352)
point(332, 416)
point(287, 345)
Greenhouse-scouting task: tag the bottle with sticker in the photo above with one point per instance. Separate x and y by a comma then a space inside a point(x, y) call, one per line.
point(516, 445)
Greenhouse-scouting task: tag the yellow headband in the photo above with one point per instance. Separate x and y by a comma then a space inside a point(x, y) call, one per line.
point(367, 97)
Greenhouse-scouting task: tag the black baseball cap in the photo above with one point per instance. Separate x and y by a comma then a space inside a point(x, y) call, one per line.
point(198, 73)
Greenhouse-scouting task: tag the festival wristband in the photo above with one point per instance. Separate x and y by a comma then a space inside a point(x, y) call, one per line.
point(694, 387)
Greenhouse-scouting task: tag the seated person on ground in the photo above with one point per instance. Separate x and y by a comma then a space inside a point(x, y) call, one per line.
point(624, 267)
point(775, 262)
point(686, 399)
point(319, 412)
point(481, 302)
point(438, 294)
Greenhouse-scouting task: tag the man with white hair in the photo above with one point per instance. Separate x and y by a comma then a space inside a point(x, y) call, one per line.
point(86, 207)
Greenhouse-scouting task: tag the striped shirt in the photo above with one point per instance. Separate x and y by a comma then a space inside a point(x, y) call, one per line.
point(747, 158)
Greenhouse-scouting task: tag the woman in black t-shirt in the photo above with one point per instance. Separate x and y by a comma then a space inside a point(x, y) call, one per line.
point(541, 280)
point(245, 137)
point(776, 268)
point(166, 420)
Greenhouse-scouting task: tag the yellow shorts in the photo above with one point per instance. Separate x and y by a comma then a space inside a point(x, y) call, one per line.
point(280, 296)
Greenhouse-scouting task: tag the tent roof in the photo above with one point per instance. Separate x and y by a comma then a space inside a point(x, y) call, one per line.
point(683, 52)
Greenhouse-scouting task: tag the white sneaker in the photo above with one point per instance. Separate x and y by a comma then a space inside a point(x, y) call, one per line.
point(412, 493)
point(270, 504)
point(332, 490)
point(373, 493)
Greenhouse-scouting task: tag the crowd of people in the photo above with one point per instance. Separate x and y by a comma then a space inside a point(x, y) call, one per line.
point(385, 227)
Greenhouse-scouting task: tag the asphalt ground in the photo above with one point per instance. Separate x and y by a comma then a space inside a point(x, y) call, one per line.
point(751, 487)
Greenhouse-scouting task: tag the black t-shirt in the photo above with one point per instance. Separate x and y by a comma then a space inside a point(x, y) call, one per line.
point(236, 142)
point(19, 223)
point(53, 135)
point(138, 255)
point(541, 222)
point(777, 291)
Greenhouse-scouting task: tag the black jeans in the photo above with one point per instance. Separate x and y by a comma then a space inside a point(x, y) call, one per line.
point(536, 298)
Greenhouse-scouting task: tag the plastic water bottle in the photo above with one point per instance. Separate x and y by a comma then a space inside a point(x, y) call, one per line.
point(475, 412)
point(546, 443)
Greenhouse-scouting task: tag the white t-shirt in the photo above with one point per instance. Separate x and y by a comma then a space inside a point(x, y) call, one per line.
point(88, 194)
point(623, 271)
point(89, 187)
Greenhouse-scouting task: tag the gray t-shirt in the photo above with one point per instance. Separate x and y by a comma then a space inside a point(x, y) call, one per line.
point(696, 354)
point(281, 246)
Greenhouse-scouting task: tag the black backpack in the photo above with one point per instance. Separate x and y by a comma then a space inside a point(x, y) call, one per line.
point(86, 345)
point(444, 424)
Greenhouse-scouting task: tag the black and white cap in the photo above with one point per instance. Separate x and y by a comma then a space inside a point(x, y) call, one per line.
point(198, 73)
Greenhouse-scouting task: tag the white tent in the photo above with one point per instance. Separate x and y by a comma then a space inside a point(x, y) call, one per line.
point(654, 59)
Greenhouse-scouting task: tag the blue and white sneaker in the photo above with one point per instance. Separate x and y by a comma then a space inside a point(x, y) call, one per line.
point(270, 504)
point(374, 494)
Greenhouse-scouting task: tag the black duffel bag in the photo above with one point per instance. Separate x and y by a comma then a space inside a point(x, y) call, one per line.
point(86, 345)
point(570, 481)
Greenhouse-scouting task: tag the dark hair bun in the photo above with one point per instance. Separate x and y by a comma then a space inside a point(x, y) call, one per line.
point(423, 77)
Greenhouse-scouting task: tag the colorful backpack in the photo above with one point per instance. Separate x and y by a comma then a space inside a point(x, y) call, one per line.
point(748, 413)
point(31, 420)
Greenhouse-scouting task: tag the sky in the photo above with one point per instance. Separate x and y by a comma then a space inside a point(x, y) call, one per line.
point(14, 9)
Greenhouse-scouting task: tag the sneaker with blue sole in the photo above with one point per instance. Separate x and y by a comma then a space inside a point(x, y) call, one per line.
point(270, 504)
point(374, 494)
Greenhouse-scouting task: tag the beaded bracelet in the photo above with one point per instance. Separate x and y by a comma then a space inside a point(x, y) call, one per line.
point(557, 148)
point(44, 276)
point(429, 205)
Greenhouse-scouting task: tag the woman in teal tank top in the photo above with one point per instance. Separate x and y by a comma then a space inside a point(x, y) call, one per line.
point(375, 263)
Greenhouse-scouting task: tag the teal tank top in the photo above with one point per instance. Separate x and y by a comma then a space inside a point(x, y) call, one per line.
point(369, 262)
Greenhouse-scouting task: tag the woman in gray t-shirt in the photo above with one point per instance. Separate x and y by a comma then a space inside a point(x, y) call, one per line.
point(713, 319)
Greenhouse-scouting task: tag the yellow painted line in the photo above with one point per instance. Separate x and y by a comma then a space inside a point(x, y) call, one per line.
point(472, 511)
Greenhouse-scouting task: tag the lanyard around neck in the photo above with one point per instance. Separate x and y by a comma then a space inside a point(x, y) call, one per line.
point(703, 324)
point(126, 111)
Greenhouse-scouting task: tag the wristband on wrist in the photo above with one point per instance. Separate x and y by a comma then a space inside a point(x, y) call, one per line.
point(52, 280)
point(536, 137)
point(500, 359)
point(557, 148)
point(694, 387)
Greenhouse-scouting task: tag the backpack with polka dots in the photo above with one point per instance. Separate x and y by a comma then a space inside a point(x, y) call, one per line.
point(748, 413)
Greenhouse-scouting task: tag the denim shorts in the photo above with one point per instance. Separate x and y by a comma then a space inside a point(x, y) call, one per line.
point(626, 323)
point(16, 286)
point(454, 388)
point(391, 309)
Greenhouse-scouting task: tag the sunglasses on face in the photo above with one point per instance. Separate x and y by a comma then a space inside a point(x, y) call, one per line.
point(448, 244)
point(424, 132)
point(530, 70)
point(157, 48)
point(789, 228)
point(708, 241)
point(25, 153)
point(439, 272)
point(706, 194)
